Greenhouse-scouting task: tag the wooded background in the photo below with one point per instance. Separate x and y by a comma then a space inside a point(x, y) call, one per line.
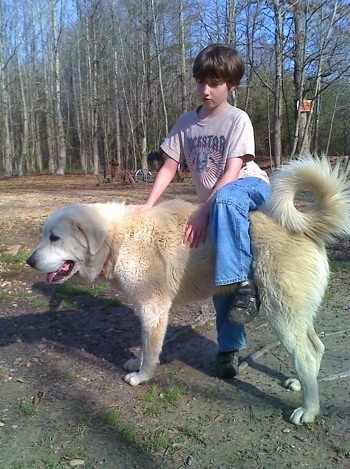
point(83, 81)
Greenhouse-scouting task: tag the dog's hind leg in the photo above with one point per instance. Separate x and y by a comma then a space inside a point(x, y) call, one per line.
point(154, 324)
point(306, 350)
point(293, 383)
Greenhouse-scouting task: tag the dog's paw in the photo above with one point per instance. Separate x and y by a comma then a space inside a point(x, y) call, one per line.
point(302, 415)
point(134, 379)
point(293, 384)
point(134, 364)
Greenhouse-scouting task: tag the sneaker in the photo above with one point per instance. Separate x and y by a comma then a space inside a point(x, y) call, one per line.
point(245, 305)
point(227, 364)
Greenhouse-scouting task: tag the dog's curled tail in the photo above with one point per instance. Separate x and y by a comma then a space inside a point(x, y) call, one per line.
point(329, 214)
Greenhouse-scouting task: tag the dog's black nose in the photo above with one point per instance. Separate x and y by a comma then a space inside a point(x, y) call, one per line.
point(30, 261)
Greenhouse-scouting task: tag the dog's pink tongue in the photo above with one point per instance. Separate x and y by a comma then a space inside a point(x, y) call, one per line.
point(49, 277)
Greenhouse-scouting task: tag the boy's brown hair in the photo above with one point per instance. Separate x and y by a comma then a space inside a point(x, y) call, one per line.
point(219, 62)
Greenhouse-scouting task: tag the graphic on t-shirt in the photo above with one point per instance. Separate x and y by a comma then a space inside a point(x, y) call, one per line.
point(207, 162)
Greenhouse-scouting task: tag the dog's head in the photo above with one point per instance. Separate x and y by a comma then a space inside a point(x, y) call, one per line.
point(72, 242)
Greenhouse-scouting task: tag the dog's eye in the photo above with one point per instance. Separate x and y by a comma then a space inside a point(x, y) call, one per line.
point(54, 237)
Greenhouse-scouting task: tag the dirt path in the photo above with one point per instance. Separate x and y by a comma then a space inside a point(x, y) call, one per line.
point(65, 404)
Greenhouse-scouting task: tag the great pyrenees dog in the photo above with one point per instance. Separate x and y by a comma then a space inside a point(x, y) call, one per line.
point(143, 255)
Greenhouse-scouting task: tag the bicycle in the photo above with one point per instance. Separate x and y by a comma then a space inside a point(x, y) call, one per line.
point(143, 175)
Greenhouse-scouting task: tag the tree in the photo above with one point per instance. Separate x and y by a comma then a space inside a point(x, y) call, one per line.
point(56, 71)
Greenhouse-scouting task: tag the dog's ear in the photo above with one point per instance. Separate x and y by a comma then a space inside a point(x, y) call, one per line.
point(93, 234)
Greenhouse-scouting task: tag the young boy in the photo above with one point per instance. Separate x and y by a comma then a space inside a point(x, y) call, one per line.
point(217, 141)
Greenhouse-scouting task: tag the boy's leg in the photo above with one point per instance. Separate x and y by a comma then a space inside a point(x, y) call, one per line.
point(231, 338)
point(229, 225)
point(229, 228)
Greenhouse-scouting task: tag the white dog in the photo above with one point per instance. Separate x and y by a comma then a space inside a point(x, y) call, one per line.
point(143, 255)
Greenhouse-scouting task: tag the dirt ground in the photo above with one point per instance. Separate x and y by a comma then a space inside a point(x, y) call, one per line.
point(63, 399)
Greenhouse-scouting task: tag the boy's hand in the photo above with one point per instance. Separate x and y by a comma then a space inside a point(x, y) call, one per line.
point(196, 228)
point(142, 208)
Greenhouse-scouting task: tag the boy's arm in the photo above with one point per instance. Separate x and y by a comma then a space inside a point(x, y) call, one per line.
point(163, 179)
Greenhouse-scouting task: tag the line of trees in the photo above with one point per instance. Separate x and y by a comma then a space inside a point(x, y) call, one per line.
point(86, 80)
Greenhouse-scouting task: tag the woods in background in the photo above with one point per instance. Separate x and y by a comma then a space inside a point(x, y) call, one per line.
point(73, 70)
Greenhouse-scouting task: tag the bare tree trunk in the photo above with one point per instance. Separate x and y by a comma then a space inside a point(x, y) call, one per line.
point(38, 150)
point(332, 120)
point(160, 73)
point(5, 115)
point(92, 70)
point(47, 109)
point(79, 111)
point(145, 53)
point(183, 73)
point(126, 102)
point(316, 108)
point(117, 123)
point(230, 18)
point(94, 107)
point(24, 150)
point(49, 131)
point(277, 117)
point(231, 21)
point(61, 142)
point(299, 79)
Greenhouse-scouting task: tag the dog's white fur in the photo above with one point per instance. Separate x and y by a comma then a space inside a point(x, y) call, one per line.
point(143, 255)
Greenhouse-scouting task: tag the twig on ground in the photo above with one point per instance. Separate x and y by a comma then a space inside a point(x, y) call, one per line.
point(342, 374)
point(254, 356)
point(325, 334)
point(182, 330)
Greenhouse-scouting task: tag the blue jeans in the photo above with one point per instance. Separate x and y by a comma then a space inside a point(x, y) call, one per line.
point(229, 230)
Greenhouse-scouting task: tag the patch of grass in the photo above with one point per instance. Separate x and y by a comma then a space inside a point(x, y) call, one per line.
point(44, 441)
point(3, 295)
point(39, 303)
point(192, 430)
point(66, 376)
point(22, 294)
point(153, 400)
point(4, 371)
point(73, 453)
point(11, 274)
point(112, 302)
point(66, 304)
point(337, 265)
point(19, 258)
point(50, 462)
point(328, 295)
point(81, 430)
point(98, 289)
point(22, 466)
point(113, 418)
point(158, 440)
point(68, 289)
point(153, 438)
point(341, 449)
point(129, 433)
point(334, 266)
point(29, 409)
point(174, 393)
point(157, 400)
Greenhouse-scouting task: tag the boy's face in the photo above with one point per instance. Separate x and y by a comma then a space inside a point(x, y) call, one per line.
point(212, 93)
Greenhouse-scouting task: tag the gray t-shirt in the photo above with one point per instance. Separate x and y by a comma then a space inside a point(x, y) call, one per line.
point(207, 144)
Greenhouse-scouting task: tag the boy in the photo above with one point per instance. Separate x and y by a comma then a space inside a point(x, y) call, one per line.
point(217, 141)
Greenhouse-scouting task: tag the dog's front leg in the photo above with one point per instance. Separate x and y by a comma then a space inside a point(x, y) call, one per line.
point(154, 324)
